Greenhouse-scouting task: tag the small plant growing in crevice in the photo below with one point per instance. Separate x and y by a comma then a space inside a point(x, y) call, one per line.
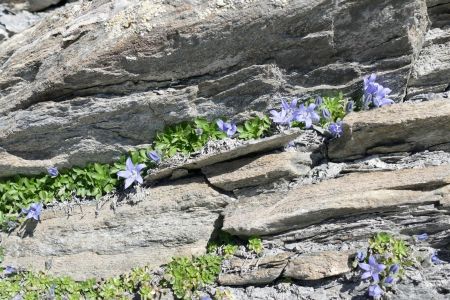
point(383, 263)
point(185, 276)
point(254, 128)
point(255, 245)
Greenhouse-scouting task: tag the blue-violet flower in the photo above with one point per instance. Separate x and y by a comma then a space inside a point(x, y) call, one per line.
point(229, 128)
point(372, 269)
point(9, 270)
point(360, 256)
point(422, 237)
point(307, 115)
point(52, 171)
point(326, 113)
point(132, 173)
point(435, 259)
point(336, 129)
point(375, 291)
point(33, 212)
point(154, 156)
point(394, 269)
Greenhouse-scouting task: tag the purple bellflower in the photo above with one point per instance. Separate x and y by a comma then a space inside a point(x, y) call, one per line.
point(319, 101)
point(394, 269)
point(375, 291)
point(375, 93)
point(326, 114)
point(287, 114)
point(422, 237)
point(435, 259)
point(336, 129)
point(389, 280)
point(33, 212)
point(360, 256)
point(349, 106)
point(154, 156)
point(9, 270)
point(52, 171)
point(307, 115)
point(372, 269)
point(229, 128)
point(205, 297)
point(132, 173)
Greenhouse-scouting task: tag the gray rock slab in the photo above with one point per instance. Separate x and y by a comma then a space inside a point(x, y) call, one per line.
point(172, 220)
point(320, 265)
point(257, 271)
point(405, 127)
point(73, 91)
point(250, 147)
point(354, 194)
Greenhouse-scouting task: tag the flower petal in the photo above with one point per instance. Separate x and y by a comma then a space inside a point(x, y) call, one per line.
point(129, 181)
point(129, 164)
point(124, 174)
point(366, 275)
point(139, 167)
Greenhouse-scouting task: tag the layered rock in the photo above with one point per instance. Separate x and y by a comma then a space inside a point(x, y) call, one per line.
point(94, 78)
point(346, 196)
point(406, 127)
point(165, 221)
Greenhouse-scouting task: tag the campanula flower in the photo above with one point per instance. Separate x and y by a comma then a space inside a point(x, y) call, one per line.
point(422, 237)
point(229, 128)
point(360, 256)
point(132, 173)
point(349, 106)
point(307, 115)
point(380, 99)
point(154, 156)
point(33, 212)
point(52, 171)
point(389, 280)
point(326, 113)
point(375, 93)
point(435, 259)
point(372, 269)
point(287, 114)
point(375, 291)
point(394, 269)
point(9, 270)
point(319, 101)
point(336, 129)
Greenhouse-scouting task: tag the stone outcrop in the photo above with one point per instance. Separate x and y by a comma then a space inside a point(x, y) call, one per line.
point(166, 221)
point(406, 127)
point(94, 78)
point(352, 194)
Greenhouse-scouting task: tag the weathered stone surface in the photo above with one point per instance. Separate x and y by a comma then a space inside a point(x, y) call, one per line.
point(404, 127)
point(315, 266)
point(253, 171)
point(167, 221)
point(13, 22)
point(250, 147)
point(95, 77)
point(255, 271)
point(353, 194)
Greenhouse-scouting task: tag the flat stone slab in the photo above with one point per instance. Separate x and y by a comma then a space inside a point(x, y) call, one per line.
point(357, 193)
point(315, 266)
point(403, 127)
point(252, 146)
point(169, 220)
point(254, 271)
point(254, 171)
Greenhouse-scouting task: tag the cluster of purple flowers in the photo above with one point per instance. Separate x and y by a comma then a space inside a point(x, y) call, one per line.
point(229, 128)
point(372, 270)
point(290, 113)
point(374, 93)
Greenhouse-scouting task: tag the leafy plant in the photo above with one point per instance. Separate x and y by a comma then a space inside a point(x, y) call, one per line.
point(335, 106)
point(185, 276)
point(254, 128)
point(255, 244)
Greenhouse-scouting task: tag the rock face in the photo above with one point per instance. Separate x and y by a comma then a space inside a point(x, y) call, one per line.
point(173, 220)
point(355, 193)
point(96, 77)
point(404, 127)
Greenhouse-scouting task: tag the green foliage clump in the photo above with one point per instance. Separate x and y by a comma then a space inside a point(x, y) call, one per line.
point(187, 137)
point(254, 128)
point(35, 286)
point(185, 276)
point(390, 250)
point(336, 106)
point(255, 244)
point(225, 244)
